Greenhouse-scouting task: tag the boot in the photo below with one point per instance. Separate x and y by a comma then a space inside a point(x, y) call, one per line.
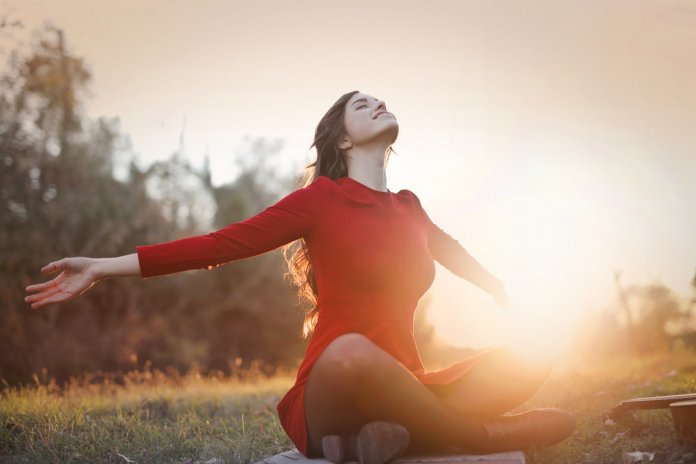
point(536, 427)
point(376, 443)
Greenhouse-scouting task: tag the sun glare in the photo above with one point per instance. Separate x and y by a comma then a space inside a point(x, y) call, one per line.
point(536, 335)
point(548, 247)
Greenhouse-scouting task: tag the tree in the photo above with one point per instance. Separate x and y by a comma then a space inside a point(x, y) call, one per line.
point(59, 197)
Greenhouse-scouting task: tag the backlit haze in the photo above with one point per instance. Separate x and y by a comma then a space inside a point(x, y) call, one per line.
point(555, 140)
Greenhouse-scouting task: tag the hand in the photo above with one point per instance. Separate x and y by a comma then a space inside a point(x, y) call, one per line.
point(500, 296)
point(501, 299)
point(77, 276)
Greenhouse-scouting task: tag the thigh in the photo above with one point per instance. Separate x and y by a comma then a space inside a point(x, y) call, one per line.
point(329, 401)
point(499, 382)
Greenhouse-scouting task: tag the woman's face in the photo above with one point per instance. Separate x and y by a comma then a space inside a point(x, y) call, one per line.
point(366, 119)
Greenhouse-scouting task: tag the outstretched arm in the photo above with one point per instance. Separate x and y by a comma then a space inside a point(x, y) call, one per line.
point(452, 255)
point(291, 218)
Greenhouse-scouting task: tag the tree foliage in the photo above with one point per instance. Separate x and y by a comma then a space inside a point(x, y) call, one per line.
point(645, 318)
point(59, 197)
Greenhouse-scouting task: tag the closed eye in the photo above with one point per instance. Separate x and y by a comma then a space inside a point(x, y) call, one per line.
point(362, 105)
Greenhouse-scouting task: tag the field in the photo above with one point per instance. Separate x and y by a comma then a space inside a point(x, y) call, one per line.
point(151, 416)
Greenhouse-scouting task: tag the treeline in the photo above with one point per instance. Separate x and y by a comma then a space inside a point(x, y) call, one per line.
point(642, 319)
point(60, 197)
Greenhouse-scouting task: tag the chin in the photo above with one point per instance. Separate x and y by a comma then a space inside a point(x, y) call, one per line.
point(393, 132)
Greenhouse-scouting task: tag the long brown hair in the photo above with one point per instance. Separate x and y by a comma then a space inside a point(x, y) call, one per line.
point(331, 162)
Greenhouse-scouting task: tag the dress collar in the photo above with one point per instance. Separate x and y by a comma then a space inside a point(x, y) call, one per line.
point(362, 194)
point(350, 180)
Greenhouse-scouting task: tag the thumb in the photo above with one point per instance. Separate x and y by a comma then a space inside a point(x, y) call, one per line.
point(54, 266)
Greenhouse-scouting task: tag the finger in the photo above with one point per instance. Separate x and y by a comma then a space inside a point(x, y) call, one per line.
point(51, 299)
point(42, 295)
point(41, 286)
point(54, 266)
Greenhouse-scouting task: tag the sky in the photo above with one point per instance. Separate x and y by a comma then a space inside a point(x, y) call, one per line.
point(555, 140)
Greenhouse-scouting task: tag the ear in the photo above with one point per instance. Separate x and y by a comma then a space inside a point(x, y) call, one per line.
point(345, 143)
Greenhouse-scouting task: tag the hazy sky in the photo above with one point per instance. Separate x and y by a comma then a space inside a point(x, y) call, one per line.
point(556, 140)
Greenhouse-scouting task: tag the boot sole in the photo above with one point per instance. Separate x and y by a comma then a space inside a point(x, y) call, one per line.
point(376, 443)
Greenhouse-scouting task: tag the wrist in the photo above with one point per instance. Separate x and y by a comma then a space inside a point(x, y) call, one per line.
point(98, 269)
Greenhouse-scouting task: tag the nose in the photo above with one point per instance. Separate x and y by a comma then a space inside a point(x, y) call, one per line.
point(380, 106)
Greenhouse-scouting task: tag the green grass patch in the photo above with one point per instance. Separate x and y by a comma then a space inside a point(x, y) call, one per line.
point(152, 418)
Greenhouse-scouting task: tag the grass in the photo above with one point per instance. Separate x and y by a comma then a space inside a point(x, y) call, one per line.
point(153, 416)
point(591, 389)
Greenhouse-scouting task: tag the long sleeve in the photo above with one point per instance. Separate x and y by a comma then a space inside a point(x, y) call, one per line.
point(290, 218)
point(453, 256)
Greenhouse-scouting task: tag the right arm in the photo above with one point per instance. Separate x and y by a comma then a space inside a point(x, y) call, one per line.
point(291, 218)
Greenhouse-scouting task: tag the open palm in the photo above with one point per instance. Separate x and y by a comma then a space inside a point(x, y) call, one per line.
point(76, 277)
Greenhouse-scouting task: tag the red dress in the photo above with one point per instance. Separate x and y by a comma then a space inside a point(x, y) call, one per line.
point(372, 254)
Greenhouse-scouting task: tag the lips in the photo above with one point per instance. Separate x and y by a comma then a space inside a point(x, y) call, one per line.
point(382, 112)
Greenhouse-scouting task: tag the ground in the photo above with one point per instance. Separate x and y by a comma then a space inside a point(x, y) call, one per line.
point(156, 417)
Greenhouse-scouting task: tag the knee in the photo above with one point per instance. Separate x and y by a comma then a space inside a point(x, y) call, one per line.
point(349, 354)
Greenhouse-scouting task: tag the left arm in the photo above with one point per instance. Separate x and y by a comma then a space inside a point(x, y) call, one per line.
point(452, 255)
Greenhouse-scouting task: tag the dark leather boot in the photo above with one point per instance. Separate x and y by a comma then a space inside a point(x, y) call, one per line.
point(536, 427)
point(376, 443)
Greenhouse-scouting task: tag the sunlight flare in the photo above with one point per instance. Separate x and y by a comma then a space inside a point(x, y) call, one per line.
point(535, 335)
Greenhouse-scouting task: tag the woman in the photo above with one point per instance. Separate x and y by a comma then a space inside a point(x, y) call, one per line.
point(363, 256)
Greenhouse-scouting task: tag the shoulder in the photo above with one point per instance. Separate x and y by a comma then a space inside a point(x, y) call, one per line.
point(409, 196)
point(412, 201)
point(319, 192)
point(316, 194)
point(322, 184)
point(322, 187)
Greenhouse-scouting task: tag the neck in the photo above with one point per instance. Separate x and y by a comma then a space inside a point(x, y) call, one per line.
point(366, 164)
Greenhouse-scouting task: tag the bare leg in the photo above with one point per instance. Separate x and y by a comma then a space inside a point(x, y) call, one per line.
point(500, 382)
point(354, 381)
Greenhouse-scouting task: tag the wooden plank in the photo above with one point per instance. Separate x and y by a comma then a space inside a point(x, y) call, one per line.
point(656, 402)
point(293, 456)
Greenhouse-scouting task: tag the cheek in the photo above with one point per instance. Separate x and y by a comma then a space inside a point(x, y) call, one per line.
point(359, 126)
point(349, 124)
